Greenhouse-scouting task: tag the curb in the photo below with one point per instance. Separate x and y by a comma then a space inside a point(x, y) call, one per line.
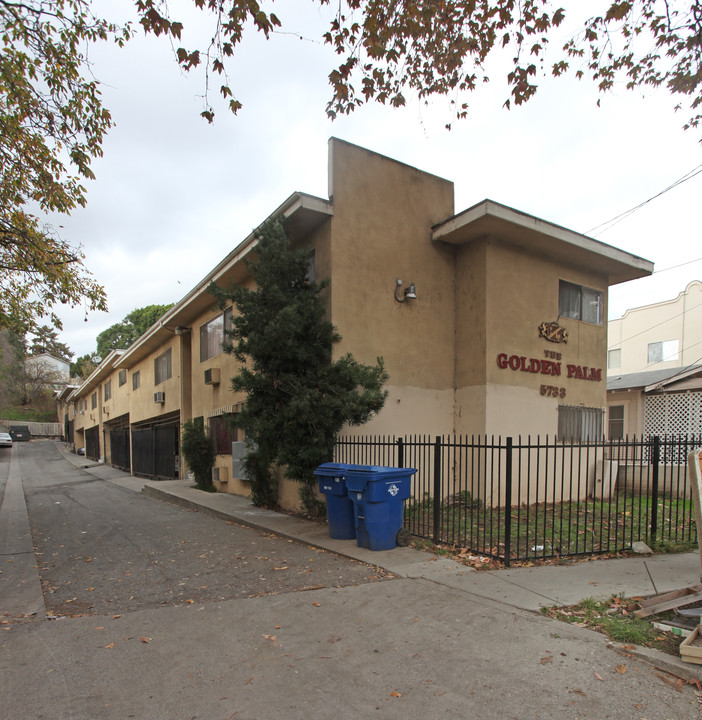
point(165, 496)
point(668, 664)
point(153, 492)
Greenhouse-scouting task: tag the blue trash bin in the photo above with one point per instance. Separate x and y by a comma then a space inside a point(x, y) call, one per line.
point(331, 478)
point(378, 494)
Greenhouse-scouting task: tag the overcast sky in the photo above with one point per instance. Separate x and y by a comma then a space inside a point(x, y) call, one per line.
point(174, 195)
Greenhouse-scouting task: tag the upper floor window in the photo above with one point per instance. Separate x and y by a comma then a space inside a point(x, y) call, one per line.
point(162, 367)
point(214, 334)
point(136, 380)
point(107, 390)
point(664, 351)
point(93, 401)
point(311, 269)
point(122, 377)
point(614, 359)
point(580, 303)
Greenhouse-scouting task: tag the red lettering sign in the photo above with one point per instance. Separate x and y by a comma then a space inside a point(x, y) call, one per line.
point(547, 367)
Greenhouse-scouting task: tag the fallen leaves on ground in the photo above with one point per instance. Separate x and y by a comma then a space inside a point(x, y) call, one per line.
point(674, 683)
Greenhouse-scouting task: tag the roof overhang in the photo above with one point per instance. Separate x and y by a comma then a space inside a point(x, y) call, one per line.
point(102, 371)
point(683, 380)
point(66, 392)
point(489, 219)
point(302, 214)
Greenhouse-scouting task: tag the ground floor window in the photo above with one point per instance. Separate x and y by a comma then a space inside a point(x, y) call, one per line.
point(222, 434)
point(616, 422)
point(579, 424)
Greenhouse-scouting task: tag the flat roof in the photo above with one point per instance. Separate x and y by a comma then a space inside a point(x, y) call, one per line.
point(491, 219)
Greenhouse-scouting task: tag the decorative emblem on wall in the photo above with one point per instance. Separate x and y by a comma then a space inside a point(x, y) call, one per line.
point(553, 332)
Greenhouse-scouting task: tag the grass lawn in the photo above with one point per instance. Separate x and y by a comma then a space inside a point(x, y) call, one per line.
point(547, 530)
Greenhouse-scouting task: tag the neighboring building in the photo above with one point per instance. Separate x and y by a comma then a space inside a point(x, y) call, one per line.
point(490, 321)
point(659, 336)
point(654, 374)
point(657, 402)
point(54, 372)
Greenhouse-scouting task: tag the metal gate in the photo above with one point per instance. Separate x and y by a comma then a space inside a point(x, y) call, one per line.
point(143, 451)
point(92, 443)
point(155, 451)
point(68, 430)
point(166, 455)
point(119, 446)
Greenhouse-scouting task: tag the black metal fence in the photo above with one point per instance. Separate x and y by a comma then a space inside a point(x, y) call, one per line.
point(531, 499)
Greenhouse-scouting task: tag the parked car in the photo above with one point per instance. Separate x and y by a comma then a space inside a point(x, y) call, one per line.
point(5, 440)
point(20, 433)
point(80, 451)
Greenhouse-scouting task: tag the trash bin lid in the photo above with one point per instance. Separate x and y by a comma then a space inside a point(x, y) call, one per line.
point(381, 470)
point(331, 470)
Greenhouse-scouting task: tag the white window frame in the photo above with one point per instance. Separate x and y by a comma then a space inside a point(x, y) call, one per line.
point(663, 351)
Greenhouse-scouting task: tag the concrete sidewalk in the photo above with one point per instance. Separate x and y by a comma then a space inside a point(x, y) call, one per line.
point(526, 588)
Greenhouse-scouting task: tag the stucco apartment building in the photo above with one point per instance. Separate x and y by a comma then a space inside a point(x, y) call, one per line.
point(654, 368)
point(489, 321)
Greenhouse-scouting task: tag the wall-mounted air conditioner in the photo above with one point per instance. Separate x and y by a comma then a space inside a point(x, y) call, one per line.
point(212, 376)
point(160, 397)
point(219, 474)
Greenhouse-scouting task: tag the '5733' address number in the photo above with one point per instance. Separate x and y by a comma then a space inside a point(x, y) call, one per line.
point(553, 391)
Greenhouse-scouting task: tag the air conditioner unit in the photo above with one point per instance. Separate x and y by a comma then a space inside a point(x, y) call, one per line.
point(160, 397)
point(219, 474)
point(212, 376)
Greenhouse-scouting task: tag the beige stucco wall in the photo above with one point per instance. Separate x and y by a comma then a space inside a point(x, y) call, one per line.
point(503, 295)
point(381, 232)
point(142, 406)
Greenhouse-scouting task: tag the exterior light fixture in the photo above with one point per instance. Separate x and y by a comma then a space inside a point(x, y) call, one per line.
point(409, 293)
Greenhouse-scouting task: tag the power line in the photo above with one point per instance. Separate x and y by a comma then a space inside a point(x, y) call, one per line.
point(618, 218)
point(674, 267)
point(663, 322)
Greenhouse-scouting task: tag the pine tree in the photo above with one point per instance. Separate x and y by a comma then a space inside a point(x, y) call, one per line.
point(297, 398)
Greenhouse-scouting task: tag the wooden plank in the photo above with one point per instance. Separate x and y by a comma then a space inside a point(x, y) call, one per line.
point(664, 597)
point(671, 600)
point(690, 651)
